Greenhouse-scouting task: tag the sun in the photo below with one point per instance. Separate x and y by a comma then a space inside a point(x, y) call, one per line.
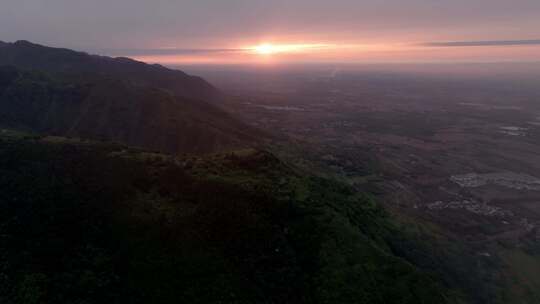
point(274, 49)
point(265, 49)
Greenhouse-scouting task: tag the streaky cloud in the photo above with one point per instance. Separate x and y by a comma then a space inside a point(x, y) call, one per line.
point(166, 51)
point(482, 43)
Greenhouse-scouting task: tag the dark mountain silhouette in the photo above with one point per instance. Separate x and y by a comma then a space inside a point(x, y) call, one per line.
point(116, 110)
point(27, 55)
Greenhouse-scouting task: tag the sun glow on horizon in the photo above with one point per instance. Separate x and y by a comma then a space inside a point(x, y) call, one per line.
point(268, 52)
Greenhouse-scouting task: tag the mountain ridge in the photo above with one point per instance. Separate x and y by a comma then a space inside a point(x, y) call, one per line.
point(27, 55)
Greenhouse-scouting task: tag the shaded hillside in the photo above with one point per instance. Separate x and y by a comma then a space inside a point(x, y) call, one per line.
point(99, 223)
point(26, 55)
point(111, 109)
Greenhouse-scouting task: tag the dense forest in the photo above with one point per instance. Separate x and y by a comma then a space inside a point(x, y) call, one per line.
point(90, 222)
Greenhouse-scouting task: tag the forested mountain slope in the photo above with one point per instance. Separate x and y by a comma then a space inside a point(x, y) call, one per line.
point(86, 222)
point(117, 110)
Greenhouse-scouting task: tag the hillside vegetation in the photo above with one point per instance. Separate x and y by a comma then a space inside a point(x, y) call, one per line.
point(106, 108)
point(86, 222)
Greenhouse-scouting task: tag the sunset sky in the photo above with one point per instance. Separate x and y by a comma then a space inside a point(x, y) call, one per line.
point(257, 31)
